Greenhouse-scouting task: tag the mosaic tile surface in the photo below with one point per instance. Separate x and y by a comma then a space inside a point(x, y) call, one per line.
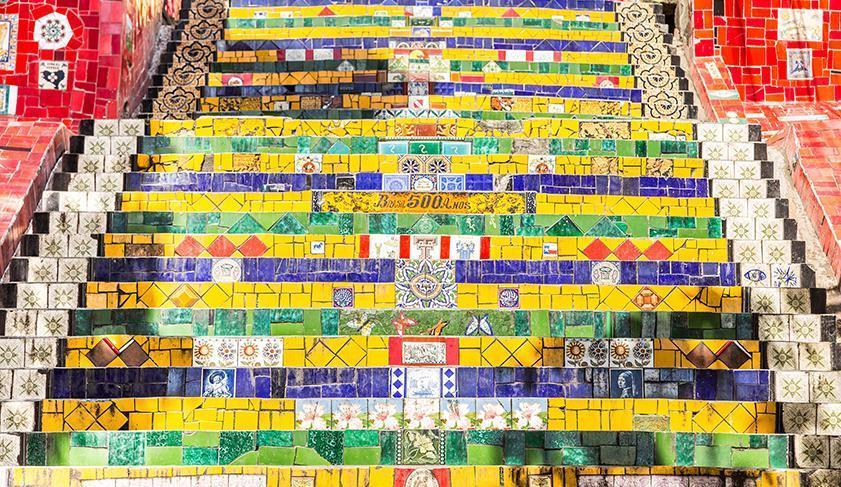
point(71, 60)
point(417, 246)
point(801, 65)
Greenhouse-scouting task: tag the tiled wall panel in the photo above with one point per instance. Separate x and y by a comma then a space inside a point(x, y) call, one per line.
point(775, 50)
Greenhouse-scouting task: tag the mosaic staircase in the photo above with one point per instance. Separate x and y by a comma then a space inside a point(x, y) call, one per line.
point(418, 246)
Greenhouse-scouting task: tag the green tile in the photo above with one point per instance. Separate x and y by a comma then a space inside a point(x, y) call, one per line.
point(485, 437)
point(561, 439)
point(455, 452)
point(247, 458)
point(36, 449)
point(704, 439)
point(93, 439)
point(515, 447)
point(778, 451)
point(664, 449)
point(232, 444)
point(126, 448)
point(229, 322)
point(712, 456)
point(644, 442)
point(360, 438)
point(200, 456)
point(750, 458)
point(367, 455)
point(163, 455)
point(553, 457)
point(731, 439)
point(598, 438)
point(163, 438)
point(581, 456)
point(310, 457)
point(201, 439)
point(300, 438)
point(617, 455)
point(388, 446)
point(58, 449)
point(276, 455)
point(537, 456)
point(537, 325)
point(328, 445)
point(274, 438)
point(484, 455)
point(684, 449)
point(88, 457)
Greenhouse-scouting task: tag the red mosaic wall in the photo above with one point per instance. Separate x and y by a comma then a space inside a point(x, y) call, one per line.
point(76, 59)
point(747, 35)
point(28, 152)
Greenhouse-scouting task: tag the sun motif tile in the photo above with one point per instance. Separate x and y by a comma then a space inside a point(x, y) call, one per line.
point(17, 416)
point(29, 384)
point(10, 446)
point(791, 387)
point(811, 451)
point(799, 419)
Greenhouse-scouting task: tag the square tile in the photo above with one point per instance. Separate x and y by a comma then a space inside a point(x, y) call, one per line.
point(457, 414)
point(312, 414)
point(423, 382)
point(791, 386)
point(349, 414)
point(17, 416)
point(385, 414)
point(815, 356)
point(828, 419)
point(782, 356)
point(12, 352)
point(21, 322)
point(29, 385)
point(53, 75)
point(799, 419)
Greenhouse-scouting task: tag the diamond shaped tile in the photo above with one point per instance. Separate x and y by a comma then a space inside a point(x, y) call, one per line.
point(80, 419)
point(646, 299)
point(701, 356)
point(103, 353)
point(733, 355)
point(253, 247)
point(184, 297)
point(597, 250)
point(657, 251)
point(189, 247)
point(350, 355)
point(112, 419)
point(221, 247)
point(133, 354)
point(627, 251)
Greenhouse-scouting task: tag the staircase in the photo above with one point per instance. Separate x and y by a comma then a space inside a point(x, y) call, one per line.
point(417, 245)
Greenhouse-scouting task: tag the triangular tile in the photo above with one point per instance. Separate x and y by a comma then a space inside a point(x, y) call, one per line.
point(564, 228)
point(607, 228)
point(246, 224)
point(288, 225)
